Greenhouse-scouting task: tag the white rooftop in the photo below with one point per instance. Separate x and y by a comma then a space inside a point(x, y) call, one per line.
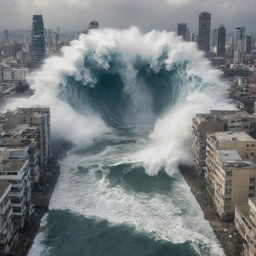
point(229, 155)
point(233, 136)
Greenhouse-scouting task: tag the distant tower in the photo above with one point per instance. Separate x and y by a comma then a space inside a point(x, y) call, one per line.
point(221, 41)
point(6, 36)
point(204, 32)
point(183, 31)
point(38, 40)
point(214, 39)
point(248, 44)
point(239, 45)
point(93, 25)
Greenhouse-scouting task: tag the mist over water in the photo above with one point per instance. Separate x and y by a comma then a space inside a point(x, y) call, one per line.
point(126, 100)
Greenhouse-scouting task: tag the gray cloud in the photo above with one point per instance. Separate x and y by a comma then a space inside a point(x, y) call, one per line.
point(146, 14)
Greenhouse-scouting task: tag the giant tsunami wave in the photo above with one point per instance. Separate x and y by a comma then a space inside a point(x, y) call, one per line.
point(126, 100)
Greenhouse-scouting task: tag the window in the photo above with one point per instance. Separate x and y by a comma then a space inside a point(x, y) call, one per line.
point(247, 145)
point(227, 200)
point(251, 187)
point(251, 195)
point(252, 180)
point(229, 173)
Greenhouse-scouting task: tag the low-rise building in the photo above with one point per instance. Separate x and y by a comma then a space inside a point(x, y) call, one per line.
point(7, 232)
point(245, 221)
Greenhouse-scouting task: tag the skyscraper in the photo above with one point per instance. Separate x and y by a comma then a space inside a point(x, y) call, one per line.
point(221, 41)
point(239, 45)
point(204, 32)
point(183, 31)
point(214, 39)
point(38, 40)
point(94, 24)
point(248, 44)
point(6, 36)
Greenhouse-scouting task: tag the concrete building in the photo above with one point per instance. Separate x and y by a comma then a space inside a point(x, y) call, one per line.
point(242, 142)
point(239, 45)
point(245, 221)
point(37, 41)
point(7, 232)
point(5, 36)
point(221, 41)
point(204, 32)
point(203, 124)
point(33, 117)
point(15, 74)
point(183, 31)
point(93, 25)
point(24, 136)
point(237, 120)
point(218, 121)
point(233, 182)
point(248, 49)
point(16, 171)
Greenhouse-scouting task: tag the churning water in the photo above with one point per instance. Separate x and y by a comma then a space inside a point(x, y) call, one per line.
point(126, 100)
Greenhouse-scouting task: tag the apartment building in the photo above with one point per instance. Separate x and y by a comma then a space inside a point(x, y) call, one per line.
point(237, 120)
point(203, 124)
point(242, 142)
point(234, 182)
point(34, 117)
point(24, 137)
point(218, 121)
point(16, 171)
point(7, 232)
point(245, 221)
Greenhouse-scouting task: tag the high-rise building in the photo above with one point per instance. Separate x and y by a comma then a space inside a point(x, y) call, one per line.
point(204, 32)
point(214, 40)
point(183, 31)
point(94, 24)
point(6, 37)
point(239, 45)
point(38, 40)
point(248, 44)
point(221, 41)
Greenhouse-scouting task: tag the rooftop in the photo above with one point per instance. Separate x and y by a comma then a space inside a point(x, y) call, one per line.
point(229, 155)
point(232, 136)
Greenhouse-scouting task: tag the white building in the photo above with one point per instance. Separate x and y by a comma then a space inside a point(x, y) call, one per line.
point(7, 232)
point(16, 171)
point(15, 74)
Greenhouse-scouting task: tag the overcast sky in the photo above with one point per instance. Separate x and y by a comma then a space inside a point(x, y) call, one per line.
point(146, 14)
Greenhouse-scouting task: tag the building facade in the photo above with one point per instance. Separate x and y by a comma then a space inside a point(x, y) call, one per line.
point(204, 32)
point(245, 221)
point(7, 231)
point(221, 41)
point(38, 40)
point(239, 45)
point(242, 142)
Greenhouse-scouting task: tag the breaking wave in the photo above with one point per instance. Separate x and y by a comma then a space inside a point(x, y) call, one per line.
point(126, 99)
point(111, 80)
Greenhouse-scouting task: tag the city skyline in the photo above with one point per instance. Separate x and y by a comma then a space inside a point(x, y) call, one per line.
point(123, 14)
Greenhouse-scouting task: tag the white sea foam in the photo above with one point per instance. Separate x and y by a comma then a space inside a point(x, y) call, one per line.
point(168, 144)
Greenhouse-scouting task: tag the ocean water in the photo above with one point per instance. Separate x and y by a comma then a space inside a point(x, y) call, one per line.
point(126, 100)
point(106, 205)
